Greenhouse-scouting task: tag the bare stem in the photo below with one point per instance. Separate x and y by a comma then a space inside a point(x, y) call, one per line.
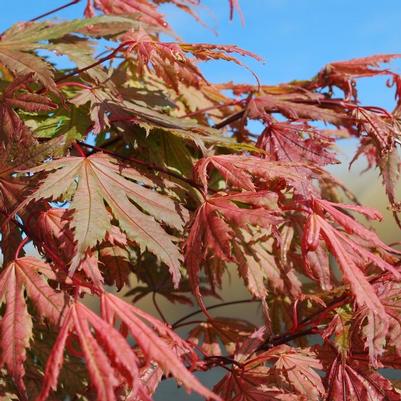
point(220, 305)
point(156, 305)
point(55, 10)
point(88, 67)
point(235, 117)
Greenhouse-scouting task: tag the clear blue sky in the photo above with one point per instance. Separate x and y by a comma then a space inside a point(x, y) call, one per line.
point(295, 37)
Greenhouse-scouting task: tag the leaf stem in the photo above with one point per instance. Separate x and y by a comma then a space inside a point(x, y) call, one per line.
point(159, 311)
point(20, 246)
point(76, 84)
point(78, 148)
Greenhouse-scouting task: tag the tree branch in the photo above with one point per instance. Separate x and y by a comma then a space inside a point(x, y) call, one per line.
point(55, 10)
point(242, 301)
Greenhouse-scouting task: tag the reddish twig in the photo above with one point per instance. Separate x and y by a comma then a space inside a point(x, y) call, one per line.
point(78, 148)
point(20, 246)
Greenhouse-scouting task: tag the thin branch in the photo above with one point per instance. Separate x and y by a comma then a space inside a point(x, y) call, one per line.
point(55, 10)
point(234, 117)
point(96, 63)
point(302, 329)
point(159, 311)
point(242, 301)
point(290, 337)
point(188, 323)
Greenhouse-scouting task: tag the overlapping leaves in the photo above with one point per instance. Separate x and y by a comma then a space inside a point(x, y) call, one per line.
point(226, 195)
point(16, 324)
point(104, 190)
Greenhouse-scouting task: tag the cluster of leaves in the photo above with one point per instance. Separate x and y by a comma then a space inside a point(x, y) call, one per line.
point(131, 165)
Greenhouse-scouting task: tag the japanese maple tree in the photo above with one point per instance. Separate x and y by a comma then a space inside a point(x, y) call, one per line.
point(132, 175)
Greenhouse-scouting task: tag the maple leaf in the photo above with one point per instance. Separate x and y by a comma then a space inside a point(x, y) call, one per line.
point(298, 368)
point(348, 380)
point(12, 188)
point(19, 43)
point(51, 233)
point(350, 225)
point(109, 109)
point(285, 141)
point(343, 73)
point(296, 106)
point(230, 332)
point(101, 179)
point(108, 355)
point(338, 245)
point(253, 386)
point(79, 319)
point(115, 256)
point(12, 191)
point(212, 231)
point(349, 252)
point(253, 380)
point(242, 171)
point(13, 128)
point(260, 270)
point(164, 350)
point(388, 162)
point(389, 165)
point(147, 11)
point(169, 60)
point(16, 323)
point(226, 166)
point(260, 201)
point(385, 330)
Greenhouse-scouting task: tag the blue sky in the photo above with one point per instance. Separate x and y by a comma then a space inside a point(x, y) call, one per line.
point(295, 37)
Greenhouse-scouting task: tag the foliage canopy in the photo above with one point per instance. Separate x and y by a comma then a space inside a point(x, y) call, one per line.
point(132, 164)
